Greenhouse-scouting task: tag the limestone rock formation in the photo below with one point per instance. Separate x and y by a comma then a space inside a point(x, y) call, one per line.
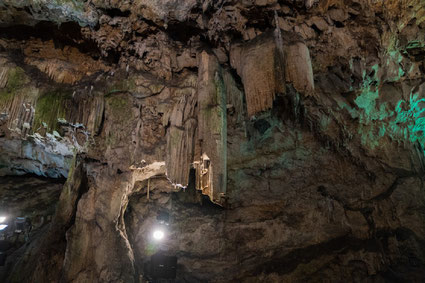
point(285, 140)
point(260, 65)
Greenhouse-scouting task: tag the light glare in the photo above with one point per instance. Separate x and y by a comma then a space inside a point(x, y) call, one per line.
point(2, 219)
point(158, 235)
point(2, 226)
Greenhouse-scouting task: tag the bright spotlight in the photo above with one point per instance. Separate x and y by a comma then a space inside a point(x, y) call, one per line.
point(2, 219)
point(2, 227)
point(158, 235)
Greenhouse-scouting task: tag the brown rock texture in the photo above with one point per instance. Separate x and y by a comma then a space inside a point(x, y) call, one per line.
point(212, 119)
point(260, 65)
point(285, 139)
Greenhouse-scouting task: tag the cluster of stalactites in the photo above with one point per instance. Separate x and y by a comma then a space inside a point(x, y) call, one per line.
point(266, 65)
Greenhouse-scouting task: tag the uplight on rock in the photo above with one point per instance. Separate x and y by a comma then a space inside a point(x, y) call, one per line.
point(158, 235)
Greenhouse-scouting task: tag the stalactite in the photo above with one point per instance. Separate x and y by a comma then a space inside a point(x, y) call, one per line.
point(212, 123)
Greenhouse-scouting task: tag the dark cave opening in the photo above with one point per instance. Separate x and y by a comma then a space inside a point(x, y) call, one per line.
point(182, 31)
point(140, 211)
point(33, 198)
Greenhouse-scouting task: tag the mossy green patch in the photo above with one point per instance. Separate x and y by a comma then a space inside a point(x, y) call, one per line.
point(16, 79)
point(122, 86)
point(119, 107)
point(5, 98)
point(50, 107)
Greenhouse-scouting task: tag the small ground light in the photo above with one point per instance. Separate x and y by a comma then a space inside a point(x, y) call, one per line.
point(158, 235)
point(2, 226)
point(2, 219)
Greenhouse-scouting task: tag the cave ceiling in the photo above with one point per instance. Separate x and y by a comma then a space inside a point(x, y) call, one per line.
point(284, 139)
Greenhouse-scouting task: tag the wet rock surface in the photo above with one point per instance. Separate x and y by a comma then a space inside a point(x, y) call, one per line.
point(285, 139)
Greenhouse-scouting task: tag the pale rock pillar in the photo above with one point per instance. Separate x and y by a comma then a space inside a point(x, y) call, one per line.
point(212, 126)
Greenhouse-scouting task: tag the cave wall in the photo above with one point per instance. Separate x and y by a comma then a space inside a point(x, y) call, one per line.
point(310, 113)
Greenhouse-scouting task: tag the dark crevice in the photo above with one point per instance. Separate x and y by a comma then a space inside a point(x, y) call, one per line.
point(316, 29)
point(261, 125)
point(128, 219)
point(116, 13)
point(210, 207)
point(352, 16)
point(67, 34)
point(236, 77)
point(81, 190)
point(182, 31)
point(289, 107)
point(386, 194)
point(361, 206)
point(60, 180)
point(259, 19)
point(339, 24)
point(102, 122)
point(113, 57)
